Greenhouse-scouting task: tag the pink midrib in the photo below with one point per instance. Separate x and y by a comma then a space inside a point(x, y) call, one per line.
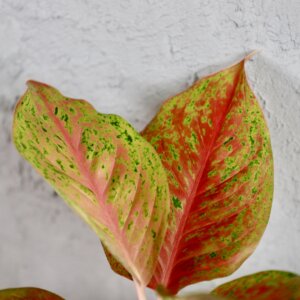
point(166, 277)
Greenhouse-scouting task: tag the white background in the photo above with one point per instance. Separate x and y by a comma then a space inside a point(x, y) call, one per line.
point(126, 57)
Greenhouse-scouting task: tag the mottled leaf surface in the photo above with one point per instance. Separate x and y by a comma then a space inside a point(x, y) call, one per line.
point(103, 169)
point(27, 293)
point(215, 146)
point(267, 285)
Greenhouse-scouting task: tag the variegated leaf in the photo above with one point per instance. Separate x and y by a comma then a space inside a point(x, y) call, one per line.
point(27, 293)
point(267, 285)
point(215, 146)
point(103, 169)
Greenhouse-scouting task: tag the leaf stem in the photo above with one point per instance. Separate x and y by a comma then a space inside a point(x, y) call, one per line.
point(140, 290)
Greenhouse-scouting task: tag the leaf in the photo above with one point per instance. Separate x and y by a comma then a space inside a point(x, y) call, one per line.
point(163, 296)
point(215, 146)
point(267, 285)
point(103, 169)
point(27, 293)
point(194, 297)
point(115, 265)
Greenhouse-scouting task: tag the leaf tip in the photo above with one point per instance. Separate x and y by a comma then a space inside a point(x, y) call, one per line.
point(34, 85)
point(32, 82)
point(251, 54)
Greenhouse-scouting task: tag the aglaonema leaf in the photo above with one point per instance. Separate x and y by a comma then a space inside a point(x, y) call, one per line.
point(215, 146)
point(103, 169)
point(27, 293)
point(194, 297)
point(267, 285)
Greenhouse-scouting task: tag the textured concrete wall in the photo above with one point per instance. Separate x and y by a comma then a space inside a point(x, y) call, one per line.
point(126, 57)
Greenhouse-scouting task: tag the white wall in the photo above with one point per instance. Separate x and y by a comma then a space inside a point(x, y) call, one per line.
point(126, 57)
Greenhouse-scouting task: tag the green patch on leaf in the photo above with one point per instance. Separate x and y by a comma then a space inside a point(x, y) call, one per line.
point(176, 202)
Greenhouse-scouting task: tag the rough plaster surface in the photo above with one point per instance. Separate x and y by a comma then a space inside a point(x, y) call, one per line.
point(126, 57)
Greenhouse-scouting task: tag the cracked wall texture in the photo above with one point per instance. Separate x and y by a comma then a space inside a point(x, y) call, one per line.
point(126, 57)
